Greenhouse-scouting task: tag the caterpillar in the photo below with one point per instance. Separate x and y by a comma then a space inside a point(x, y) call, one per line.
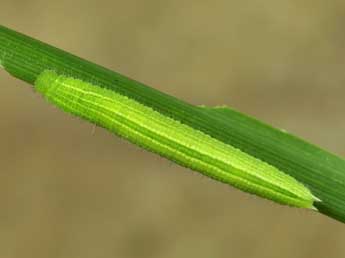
point(158, 133)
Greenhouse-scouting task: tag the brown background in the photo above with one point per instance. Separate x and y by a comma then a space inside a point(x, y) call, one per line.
point(68, 192)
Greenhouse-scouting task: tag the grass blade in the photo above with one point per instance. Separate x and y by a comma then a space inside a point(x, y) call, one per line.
point(321, 171)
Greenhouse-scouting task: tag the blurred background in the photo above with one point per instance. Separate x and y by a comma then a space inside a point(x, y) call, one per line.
point(67, 190)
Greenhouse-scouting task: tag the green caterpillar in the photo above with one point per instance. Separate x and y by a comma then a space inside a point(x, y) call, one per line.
point(169, 138)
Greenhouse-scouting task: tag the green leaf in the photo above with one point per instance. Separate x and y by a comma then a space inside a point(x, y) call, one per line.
point(322, 172)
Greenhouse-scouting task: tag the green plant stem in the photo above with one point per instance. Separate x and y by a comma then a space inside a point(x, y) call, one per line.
point(322, 172)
